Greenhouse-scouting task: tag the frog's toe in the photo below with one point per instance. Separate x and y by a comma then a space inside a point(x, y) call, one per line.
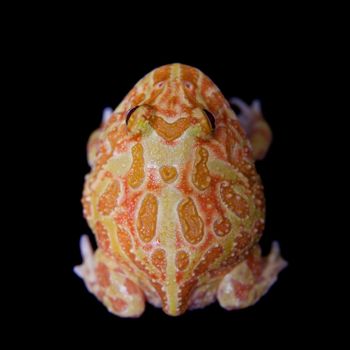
point(255, 126)
point(106, 114)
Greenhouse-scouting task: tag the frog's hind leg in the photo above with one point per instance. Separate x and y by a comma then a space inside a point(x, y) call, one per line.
point(255, 126)
point(251, 279)
point(107, 280)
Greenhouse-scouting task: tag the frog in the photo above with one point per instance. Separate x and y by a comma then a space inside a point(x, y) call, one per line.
point(174, 200)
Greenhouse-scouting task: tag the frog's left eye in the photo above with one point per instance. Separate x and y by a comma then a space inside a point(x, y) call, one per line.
point(210, 118)
point(129, 114)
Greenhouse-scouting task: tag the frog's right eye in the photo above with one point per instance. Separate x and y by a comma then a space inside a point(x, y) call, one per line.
point(129, 114)
point(137, 119)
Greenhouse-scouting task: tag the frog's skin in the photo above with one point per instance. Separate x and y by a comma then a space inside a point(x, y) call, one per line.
point(175, 202)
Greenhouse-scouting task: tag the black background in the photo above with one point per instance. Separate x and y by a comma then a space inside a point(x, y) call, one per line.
point(69, 107)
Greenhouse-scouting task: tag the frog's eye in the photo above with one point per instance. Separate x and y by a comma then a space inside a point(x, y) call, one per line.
point(129, 114)
point(210, 118)
point(137, 119)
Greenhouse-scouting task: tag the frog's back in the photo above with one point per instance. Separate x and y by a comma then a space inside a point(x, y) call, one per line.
point(173, 191)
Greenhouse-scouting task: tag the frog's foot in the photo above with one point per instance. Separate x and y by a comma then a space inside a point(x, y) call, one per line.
point(107, 280)
point(251, 279)
point(94, 139)
point(255, 126)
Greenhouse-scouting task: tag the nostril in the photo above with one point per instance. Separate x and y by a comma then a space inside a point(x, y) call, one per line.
point(188, 85)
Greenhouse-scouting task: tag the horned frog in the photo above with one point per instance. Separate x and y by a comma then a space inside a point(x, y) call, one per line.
point(174, 199)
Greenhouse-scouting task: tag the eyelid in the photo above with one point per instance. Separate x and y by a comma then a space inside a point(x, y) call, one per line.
point(210, 117)
point(130, 112)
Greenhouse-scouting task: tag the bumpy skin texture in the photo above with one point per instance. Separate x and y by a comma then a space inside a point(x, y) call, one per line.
point(175, 202)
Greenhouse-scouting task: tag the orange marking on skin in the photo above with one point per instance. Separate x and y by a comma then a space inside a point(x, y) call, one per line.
point(170, 131)
point(234, 201)
point(118, 305)
point(138, 99)
point(101, 160)
point(131, 287)
point(226, 266)
point(153, 183)
point(159, 259)
point(215, 147)
point(189, 78)
point(180, 240)
point(154, 94)
point(209, 203)
point(205, 245)
point(179, 277)
point(182, 260)
point(255, 263)
point(237, 126)
point(191, 222)
point(159, 288)
point(222, 227)
point(200, 176)
point(124, 240)
point(137, 172)
point(126, 216)
point(111, 120)
point(102, 237)
point(174, 101)
point(241, 290)
point(144, 266)
point(259, 227)
point(118, 270)
point(259, 199)
point(119, 138)
point(107, 174)
point(161, 74)
point(102, 275)
point(215, 100)
point(166, 95)
point(209, 257)
point(189, 74)
point(126, 244)
point(160, 78)
point(184, 184)
point(185, 293)
point(147, 218)
point(113, 137)
point(233, 148)
point(168, 173)
point(243, 240)
point(108, 199)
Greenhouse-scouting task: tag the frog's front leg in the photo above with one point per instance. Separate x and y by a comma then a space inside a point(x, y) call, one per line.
point(94, 139)
point(251, 279)
point(255, 126)
point(107, 280)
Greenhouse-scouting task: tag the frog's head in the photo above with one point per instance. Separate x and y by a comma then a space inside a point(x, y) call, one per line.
point(172, 99)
